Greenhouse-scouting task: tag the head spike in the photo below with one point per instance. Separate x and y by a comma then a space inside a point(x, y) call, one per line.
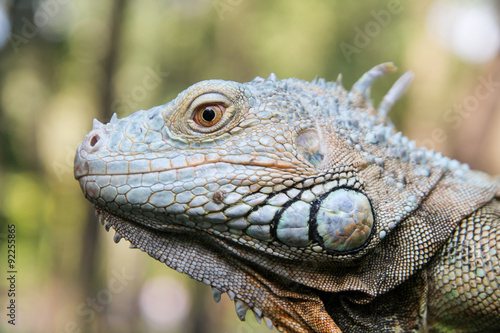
point(117, 238)
point(272, 77)
point(361, 87)
point(269, 323)
point(339, 81)
point(285, 86)
point(397, 89)
point(217, 294)
point(241, 309)
point(258, 79)
point(257, 316)
point(97, 124)
point(114, 118)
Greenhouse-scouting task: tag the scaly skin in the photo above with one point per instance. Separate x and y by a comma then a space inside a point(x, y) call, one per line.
point(301, 202)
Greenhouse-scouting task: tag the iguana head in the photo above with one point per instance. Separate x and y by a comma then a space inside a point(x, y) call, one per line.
point(267, 190)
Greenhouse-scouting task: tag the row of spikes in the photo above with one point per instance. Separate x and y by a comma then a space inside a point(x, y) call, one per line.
point(361, 88)
point(240, 307)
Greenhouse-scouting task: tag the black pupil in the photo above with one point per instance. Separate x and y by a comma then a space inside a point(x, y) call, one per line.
point(208, 114)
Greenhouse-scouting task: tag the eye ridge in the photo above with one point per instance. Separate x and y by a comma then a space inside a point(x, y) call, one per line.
point(208, 115)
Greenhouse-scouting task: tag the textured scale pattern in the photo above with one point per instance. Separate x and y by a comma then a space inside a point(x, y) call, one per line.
point(302, 203)
point(467, 273)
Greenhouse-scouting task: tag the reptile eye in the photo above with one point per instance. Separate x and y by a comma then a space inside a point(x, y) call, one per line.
point(207, 115)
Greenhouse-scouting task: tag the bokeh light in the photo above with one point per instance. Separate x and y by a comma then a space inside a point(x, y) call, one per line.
point(164, 302)
point(470, 29)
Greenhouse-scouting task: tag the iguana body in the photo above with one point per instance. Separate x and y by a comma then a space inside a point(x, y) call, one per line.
point(301, 202)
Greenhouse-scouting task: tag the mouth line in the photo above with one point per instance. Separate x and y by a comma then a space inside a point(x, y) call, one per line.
point(110, 220)
point(278, 165)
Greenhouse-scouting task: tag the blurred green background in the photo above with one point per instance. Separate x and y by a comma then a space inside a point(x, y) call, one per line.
point(63, 63)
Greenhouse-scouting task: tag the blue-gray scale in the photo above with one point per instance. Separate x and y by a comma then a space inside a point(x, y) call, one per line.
point(343, 222)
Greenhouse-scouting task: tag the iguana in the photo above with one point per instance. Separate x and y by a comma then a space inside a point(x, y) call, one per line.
point(302, 203)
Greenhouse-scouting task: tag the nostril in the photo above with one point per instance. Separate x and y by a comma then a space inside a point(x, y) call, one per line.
point(94, 140)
